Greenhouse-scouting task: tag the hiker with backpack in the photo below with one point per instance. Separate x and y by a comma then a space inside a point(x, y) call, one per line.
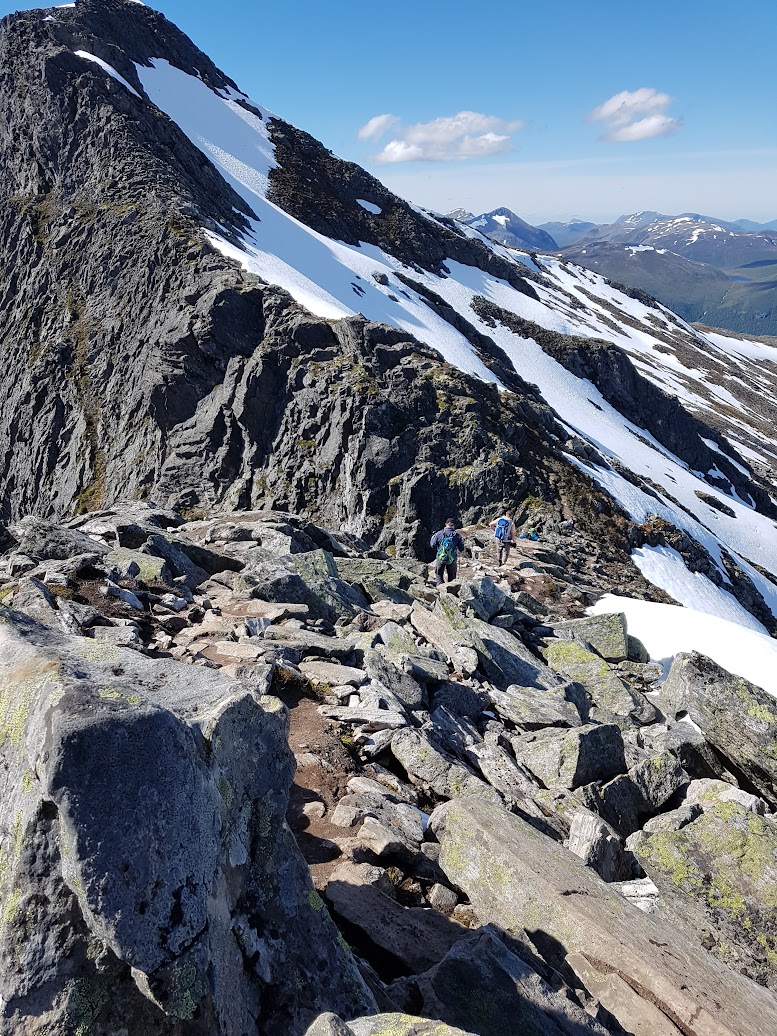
point(504, 534)
point(447, 542)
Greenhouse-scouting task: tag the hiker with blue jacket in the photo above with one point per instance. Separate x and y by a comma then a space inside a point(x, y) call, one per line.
point(504, 534)
point(447, 542)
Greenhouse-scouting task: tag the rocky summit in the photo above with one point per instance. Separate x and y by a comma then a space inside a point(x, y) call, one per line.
point(261, 772)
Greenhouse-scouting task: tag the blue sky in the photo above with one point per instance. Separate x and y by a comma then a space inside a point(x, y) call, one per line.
point(700, 76)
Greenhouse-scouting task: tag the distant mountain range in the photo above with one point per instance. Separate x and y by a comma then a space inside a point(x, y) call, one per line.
point(708, 270)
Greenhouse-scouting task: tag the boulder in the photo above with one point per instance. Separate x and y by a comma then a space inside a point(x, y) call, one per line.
point(628, 800)
point(145, 854)
point(460, 699)
point(122, 563)
point(599, 847)
point(522, 881)
point(405, 823)
point(736, 717)
point(482, 597)
point(695, 755)
point(482, 985)
point(161, 546)
point(718, 876)
point(419, 939)
point(332, 674)
point(571, 758)
point(42, 540)
point(307, 578)
point(437, 630)
point(641, 893)
point(506, 660)
point(309, 642)
point(329, 1025)
point(384, 671)
point(637, 652)
point(424, 761)
point(531, 709)
point(706, 793)
point(607, 634)
point(609, 694)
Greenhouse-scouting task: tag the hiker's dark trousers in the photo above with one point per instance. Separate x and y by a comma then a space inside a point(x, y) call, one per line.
point(440, 568)
point(503, 552)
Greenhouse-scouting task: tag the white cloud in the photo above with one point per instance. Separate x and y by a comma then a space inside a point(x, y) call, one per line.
point(377, 127)
point(447, 139)
point(636, 115)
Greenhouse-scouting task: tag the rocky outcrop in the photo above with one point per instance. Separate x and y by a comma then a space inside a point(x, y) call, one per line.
point(737, 717)
point(219, 389)
point(148, 879)
point(717, 875)
point(522, 881)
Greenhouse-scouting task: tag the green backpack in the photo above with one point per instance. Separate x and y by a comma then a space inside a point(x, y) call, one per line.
point(446, 553)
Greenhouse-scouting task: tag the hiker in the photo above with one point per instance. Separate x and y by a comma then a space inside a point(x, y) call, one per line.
point(504, 534)
point(567, 527)
point(446, 542)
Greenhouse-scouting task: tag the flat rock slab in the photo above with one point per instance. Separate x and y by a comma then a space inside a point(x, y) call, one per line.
point(418, 938)
point(264, 610)
point(370, 719)
point(620, 999)
point(533, 709)
point(333, 674)
point(307, 640)
point(522, 881)
point(402, 1025)
point(234, 651)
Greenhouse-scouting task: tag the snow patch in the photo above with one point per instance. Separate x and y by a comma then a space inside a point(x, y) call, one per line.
point(664, 567)
point(666, 629)
point(106, 68)
point(369, 206)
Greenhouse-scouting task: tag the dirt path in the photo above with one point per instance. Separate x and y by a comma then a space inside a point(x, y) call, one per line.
point(324, 767)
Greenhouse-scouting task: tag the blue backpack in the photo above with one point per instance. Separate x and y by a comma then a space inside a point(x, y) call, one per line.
point(502, 530)
point(446, 553)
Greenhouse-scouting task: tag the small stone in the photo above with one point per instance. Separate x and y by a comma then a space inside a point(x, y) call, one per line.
point(127, 596)
point(314, 810)
point(443, 899)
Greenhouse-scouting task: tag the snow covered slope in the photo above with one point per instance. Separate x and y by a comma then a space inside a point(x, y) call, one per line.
point(720, 379)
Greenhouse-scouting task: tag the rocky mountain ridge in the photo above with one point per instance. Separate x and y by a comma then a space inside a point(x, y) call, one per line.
point(208, 309)
point(504, 227)
point(211, 392)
